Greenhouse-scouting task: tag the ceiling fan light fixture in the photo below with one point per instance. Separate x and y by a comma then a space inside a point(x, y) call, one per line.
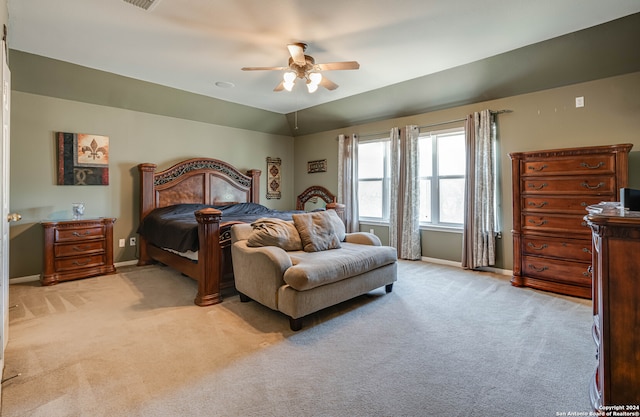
point(315, 78)
point(288, 85)
point(312, 87)
point(289, 77)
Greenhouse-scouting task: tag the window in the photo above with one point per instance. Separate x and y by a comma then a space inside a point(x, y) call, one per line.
point(373, 180)
point(442, 177)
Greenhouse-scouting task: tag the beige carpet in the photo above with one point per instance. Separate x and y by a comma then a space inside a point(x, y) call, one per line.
point(444, 342)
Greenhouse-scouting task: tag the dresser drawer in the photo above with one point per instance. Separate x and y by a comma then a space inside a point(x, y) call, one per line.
point(582, 165)
point(65, 235)
point(566, 223)
point(556, 203)
point(79, 262)
point(553, 269)
point(79, 248)
point(576, 249)
point(592, 185)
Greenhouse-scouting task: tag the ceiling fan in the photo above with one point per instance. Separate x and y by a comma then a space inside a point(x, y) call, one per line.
point(304, 67)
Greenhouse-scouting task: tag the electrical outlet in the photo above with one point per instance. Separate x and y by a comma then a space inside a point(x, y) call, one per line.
point(371, 231)
point(121, 243)
point(579, 101)
point(132, 241)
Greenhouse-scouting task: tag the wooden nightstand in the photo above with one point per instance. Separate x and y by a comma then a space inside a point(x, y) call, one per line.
point(75, 249)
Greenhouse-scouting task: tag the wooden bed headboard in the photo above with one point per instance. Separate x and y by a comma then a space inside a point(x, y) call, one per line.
point(198, 181)
point(314, 191)
point(323, 193)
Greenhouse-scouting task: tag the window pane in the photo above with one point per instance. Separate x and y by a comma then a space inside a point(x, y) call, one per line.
point(452, 200)
point(370, 199)
point(451, 155)
point(426, 157)
point(371, 160)
point(425, 201)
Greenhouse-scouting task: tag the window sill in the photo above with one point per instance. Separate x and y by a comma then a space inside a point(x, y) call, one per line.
point(374, 222)
point(447, 229)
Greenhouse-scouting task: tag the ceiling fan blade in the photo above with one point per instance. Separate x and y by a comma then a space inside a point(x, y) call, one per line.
point(263, 68)
point(279, 87)
point(328, 84)
point(296, 50)
point(331, 66)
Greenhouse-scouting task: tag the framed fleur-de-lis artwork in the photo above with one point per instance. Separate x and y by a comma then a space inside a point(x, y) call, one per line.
point(83, 159)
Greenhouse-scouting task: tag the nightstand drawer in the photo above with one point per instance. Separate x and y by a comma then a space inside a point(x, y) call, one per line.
point(65, 235)
point(80, 248)
point(80, 262)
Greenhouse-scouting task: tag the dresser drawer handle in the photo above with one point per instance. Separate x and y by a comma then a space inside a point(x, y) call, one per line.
point(585, 165)
point(540, 223)
point(80, 263)
point(81, 234)
point(587, 250)
point(533, 204)
point(593, 187)
point(81, 248)
point(538, 169)
point(583, 204)
point(538, 187)
point(587, 273)
point(541, 247)
point(544, 268)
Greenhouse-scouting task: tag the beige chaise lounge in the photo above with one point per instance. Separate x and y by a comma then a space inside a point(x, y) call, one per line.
point(310, 263)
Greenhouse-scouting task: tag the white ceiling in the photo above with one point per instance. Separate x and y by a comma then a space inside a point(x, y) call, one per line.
point(192, 44)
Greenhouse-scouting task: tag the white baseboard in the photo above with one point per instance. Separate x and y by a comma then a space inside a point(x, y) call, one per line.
point(31, 278)
point(459, 265)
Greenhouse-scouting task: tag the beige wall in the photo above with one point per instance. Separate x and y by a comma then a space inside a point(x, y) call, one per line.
point(542, 120)
point(545, 119)
point(135, 137)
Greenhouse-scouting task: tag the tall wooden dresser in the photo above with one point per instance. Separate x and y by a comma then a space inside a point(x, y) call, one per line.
point(551, 190)
point(616, 308)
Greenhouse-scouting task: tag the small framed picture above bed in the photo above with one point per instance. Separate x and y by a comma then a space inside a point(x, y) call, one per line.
point(319, 165)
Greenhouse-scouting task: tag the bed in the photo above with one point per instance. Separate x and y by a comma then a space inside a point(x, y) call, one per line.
point(212, 195)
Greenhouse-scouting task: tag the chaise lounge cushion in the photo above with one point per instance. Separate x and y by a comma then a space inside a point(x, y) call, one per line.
point(313, 269)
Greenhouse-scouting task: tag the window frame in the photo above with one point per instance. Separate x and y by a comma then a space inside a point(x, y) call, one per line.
point(434, 180)
point(386, 182)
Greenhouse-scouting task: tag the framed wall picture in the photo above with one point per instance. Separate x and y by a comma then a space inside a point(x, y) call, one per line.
point(274, 180)
point(83, 159)
point(317, 166)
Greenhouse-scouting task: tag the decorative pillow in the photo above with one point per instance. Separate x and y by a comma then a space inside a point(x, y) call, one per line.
point(338, 225)
point(274, 232)
point(317, 231)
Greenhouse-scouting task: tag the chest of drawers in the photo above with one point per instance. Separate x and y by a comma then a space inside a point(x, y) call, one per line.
point(616, 309)
point(551, 191)
point(75, 249)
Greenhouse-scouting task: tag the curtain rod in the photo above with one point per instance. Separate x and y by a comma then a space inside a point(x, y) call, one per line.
point(463, 119)
point(436, 124)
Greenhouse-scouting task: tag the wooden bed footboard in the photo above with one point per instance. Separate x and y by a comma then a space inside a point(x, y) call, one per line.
point(197, 181)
